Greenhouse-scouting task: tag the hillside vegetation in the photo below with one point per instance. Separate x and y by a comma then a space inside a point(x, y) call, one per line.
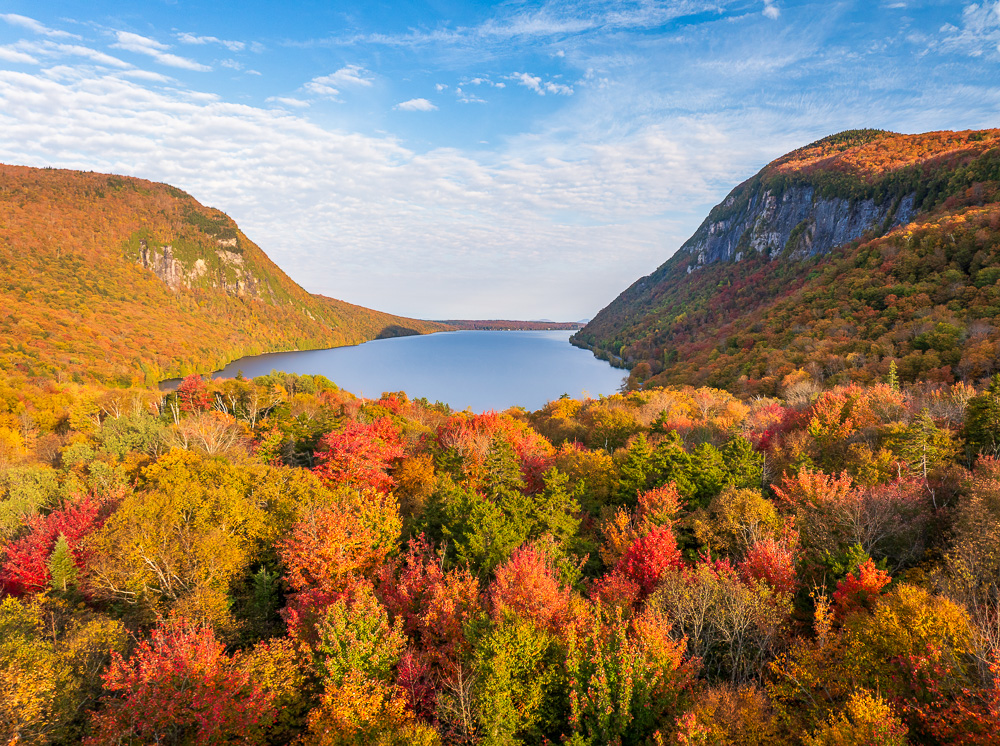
point(758, 297)
point(122, 280)
point(276, 561)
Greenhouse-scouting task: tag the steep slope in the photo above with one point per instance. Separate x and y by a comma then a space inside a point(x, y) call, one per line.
point(838, 258)
point(124, 280)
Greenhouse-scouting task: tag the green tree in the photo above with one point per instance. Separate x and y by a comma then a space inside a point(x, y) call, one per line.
point(708, 473)
point(516, 678)
point(636, 471)
point(745, 466)
point(62, 567)
point(982, 420)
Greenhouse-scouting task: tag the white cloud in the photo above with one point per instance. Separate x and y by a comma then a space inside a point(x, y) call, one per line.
point(486, 81)
point(979, 33)
point(47, 48)
point(350, 75)
point(771, 10)
point(318, 87)
point(329, 85)
point(441, 86)
point(145, 75)
point(232, 46)
point(536, 84)
point(416, 104)
point(157, 50)
point(288, 101)
point(464, 97)
point(439, 234)
point(9, 54)
point(32, 25)
point(231, 64)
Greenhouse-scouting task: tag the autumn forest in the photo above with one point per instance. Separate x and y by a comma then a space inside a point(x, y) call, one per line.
point(785, 528)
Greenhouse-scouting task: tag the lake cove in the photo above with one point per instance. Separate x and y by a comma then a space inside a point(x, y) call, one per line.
point(481, 370)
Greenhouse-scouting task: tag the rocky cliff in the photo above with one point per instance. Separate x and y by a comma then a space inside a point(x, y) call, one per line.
point(796, 223)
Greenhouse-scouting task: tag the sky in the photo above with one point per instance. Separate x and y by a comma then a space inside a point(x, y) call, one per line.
point(447, 159)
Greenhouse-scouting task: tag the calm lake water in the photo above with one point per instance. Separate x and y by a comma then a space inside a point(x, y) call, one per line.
point(477, 369)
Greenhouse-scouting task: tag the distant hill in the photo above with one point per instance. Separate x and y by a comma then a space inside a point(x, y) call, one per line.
point(861, 249)
point(122, 280)
point(508, 325)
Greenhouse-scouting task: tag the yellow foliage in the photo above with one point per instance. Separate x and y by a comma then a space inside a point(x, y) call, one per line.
point(866, 720)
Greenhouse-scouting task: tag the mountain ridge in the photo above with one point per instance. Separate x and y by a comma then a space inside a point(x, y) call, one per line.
point(784, 231)
point(124, 280)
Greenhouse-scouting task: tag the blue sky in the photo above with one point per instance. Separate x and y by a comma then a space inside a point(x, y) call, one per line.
point(476, 160)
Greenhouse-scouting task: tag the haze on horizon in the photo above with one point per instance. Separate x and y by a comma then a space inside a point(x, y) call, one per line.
point(476, 160)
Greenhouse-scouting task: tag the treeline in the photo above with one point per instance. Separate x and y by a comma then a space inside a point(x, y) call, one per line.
point(504, 325)
point(275, 561)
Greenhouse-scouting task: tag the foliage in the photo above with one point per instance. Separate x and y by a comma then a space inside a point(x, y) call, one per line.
point(180, 687)
point(460, 580)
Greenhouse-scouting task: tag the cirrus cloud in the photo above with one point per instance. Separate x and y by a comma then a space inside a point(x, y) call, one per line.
point(157, 50)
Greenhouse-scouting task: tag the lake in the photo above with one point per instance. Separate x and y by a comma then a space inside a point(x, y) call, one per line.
point(477, 369)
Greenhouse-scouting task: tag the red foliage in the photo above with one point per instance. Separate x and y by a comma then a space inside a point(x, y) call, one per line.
point(859, 592)
point(614, 589)
point(25, 566)
point(643, 564)
point(331, 550)
point(193, 394)
point(813, 489)
point(180, 687)
point(405, 586)
point(472, 436)
point(359, 455)
point(659, 507)
point(415, 678)
point(946, 712)
point(771, 562)
point(526, 587)
point(435, 606)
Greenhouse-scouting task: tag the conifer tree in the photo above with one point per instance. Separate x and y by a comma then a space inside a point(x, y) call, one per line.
point(982, 420)
point(62, 567)
point(893, 378)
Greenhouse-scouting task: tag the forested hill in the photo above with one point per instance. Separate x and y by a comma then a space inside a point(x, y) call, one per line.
point(861, 249)
point(122, 280)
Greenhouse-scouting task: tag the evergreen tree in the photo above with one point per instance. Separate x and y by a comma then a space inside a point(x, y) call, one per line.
point(671, 463)
point(982, 420)
point(62, 566)
point(635, 471)
point(708, 473)
point(745, 466)
point(893, 378)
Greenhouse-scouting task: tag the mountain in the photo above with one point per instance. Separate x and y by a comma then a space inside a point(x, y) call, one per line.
point(834, 261)
point(122, 280)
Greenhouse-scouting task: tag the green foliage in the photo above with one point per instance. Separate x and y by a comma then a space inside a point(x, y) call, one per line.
point(518, 678)
point(141, 433)
point(24, 491)
point(982, 420)
point(62, 567)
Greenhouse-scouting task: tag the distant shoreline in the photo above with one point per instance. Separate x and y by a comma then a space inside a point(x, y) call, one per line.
point(510, 325)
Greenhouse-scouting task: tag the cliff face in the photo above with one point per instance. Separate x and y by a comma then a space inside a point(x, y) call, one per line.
point(854, 250)
point(796, 221)
point(229, 273)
